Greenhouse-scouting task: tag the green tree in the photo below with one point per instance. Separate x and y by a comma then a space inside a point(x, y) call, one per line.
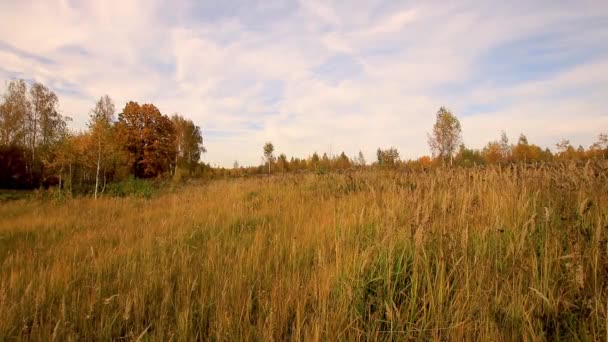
point(387, 158)
point(446, 135)
point(468, 157)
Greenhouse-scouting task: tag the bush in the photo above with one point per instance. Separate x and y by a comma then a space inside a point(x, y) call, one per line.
point(132, 187)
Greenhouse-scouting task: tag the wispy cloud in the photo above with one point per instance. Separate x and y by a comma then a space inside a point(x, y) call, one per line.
point(315, 75)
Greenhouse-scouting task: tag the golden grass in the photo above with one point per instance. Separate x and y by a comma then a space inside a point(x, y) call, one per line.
point(494, 254)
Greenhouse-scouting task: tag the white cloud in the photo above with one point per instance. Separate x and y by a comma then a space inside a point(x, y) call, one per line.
point(246, 80)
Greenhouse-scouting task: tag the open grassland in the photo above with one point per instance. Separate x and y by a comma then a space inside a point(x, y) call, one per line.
point(494, 254)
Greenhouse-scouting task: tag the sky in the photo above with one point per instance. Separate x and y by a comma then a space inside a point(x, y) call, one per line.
point(324, 76)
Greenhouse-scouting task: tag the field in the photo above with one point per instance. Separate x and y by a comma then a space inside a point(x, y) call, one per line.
point(476, 254)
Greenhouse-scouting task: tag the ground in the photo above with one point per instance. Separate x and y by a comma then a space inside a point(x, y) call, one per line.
point(486, 254)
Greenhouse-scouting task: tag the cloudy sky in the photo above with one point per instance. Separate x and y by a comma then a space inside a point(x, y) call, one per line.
point(323, 76)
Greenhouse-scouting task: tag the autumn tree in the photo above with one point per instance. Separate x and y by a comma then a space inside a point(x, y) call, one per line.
point(100, 126)
point(446, 135)
point(189, 143)
point(526, 152)
point(601, 145)
point(342, 162)
point(324, 163)
point(565, 150)
point(47, 126)
point(493, 152)
point(148, 137)
point(282, 163)
point(269, 154)
point(14, 111)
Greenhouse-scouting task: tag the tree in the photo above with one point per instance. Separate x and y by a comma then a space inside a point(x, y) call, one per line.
point(46, 126)
point(148, 137)
point(565, 150)
point(268, 154)
point(526, 152)
point(14, 111)
point(282, 162)
point(315, 160)
point(505, 146)
point(468, 157)
point(342, 162)
point(13, 167)
point(602, 144)
point(189, 143)
point(360, 159)
point(47, 123)
point(388, 157)
point(100, 125)
point(493, 152)
point(446, 135)
point(324, 163)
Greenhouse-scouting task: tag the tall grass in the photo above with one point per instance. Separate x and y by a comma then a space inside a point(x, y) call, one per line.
point(493, 254)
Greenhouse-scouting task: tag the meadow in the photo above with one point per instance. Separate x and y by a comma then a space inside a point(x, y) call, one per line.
point(496, 253)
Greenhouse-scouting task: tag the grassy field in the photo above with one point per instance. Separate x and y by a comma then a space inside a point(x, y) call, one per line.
point(492, 254)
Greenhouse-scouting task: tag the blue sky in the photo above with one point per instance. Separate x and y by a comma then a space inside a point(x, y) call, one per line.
point(323, 75)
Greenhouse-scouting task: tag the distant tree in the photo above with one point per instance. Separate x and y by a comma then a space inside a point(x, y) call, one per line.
point(565, 150)
point(493, 152)
point(387, 158)
point(188, 142)
point(505, 146)
point(446, 135)
point(148, 137)
point(268, 154)
point(523, 140)
point(425, 161)
point(282, 163)
point(236, 165)
point(468, 157)
point(342, 162)
point(314, 160)
point(361, 160)
point(602, 144)
point(526, 152)
point(324, 163)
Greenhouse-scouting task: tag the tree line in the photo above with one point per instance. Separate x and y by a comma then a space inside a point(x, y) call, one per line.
point(37, 148)
point(445, 142)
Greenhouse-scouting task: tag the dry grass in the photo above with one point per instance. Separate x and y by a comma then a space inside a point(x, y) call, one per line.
point(464, 254)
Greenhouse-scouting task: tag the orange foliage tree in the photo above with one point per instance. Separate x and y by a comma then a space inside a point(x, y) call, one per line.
point(148, 137)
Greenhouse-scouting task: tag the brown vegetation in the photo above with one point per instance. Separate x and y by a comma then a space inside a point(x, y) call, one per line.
point(479, 254)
